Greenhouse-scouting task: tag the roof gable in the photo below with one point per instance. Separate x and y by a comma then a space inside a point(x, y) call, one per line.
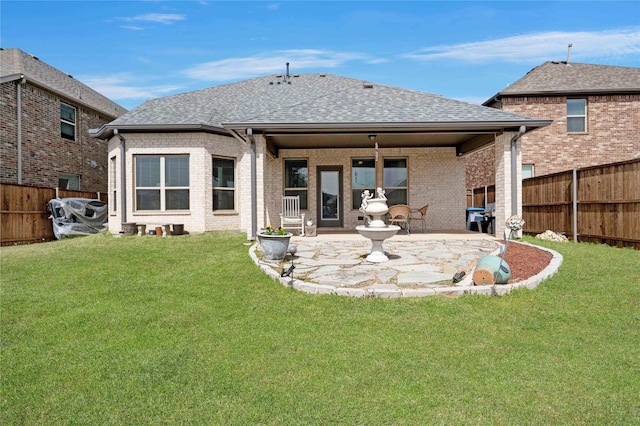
point(14, 63)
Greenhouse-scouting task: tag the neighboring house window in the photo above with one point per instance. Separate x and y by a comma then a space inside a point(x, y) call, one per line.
point(363, 176)
point(224, 184)
point(394, 180)
point(576, 115)
point(527, 171)
point(162, 182)
point(114, 184)
point(296, 180)
point(67, 181)
point(67, 121)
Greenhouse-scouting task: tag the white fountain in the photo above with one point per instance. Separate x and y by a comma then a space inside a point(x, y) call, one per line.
point(375, 229)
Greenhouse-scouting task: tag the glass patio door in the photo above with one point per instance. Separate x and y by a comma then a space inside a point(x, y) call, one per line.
point(329, 200)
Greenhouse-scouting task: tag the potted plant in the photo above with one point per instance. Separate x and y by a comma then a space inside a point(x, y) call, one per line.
point(274, 242)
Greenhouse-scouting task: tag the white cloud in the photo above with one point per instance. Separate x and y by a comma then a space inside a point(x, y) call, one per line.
point(538, 47)
point(161, 18)
point(123, 86)
point(247, 67)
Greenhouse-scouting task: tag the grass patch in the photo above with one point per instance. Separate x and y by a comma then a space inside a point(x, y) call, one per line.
point(101, 330)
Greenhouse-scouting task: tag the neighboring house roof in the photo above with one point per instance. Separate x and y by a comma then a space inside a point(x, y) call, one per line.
point(562, 78)
point(16, 65)
point(305, 101)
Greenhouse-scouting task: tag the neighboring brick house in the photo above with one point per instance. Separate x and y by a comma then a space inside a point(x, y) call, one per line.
point(596, 119)
point(46, 117)
point(222, 158)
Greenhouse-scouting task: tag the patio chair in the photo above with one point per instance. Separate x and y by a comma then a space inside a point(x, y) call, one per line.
point(401, 214)
point(422, 211)
point(291, 218)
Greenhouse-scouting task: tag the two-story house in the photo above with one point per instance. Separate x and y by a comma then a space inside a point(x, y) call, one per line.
point(46, 117)
point(596, 119)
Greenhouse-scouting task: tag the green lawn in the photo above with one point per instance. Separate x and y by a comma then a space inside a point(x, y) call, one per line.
point(187, 330)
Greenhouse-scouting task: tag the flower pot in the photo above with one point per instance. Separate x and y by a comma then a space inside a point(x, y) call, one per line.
point(274, 247)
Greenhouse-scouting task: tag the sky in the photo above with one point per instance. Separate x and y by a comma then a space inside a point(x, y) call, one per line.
point(132, 51)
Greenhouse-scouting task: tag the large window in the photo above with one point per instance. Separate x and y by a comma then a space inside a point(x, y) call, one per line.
point(224, 188)
point(67, 122)
point(394, 180)
point(67, 181)
point(296, 180)
point(576, 115)
point(162, 182)
point(363, 176)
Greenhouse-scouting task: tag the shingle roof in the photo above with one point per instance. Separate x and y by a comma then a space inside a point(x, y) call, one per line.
point(304, 99)
point(14, 62)
point(573, 78)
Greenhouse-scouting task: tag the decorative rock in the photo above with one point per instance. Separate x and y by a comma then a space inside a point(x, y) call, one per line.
point(552, 236)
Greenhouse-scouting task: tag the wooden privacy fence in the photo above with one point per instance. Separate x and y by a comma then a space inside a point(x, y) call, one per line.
point(599, 204)
point(24, 217)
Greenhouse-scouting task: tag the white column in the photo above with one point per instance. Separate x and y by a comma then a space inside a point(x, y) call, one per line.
point(503, 180)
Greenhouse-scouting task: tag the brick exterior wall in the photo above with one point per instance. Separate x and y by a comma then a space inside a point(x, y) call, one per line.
point(613, 126)
point(436, 177)
point(200, 147)
point(45, 154)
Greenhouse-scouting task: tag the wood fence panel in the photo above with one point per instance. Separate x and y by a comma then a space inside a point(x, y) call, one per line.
point(24, 217)
point(546, 203)
point(608, 204)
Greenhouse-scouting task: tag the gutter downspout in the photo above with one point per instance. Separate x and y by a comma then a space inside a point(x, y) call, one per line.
point(22, 81)
point(514, 169)
point(123, 180)
point(254, 185)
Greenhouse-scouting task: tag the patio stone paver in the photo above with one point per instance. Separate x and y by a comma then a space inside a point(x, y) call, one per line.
point(418, 266)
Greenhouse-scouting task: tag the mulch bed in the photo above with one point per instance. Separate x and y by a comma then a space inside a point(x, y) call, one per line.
point(525, 261)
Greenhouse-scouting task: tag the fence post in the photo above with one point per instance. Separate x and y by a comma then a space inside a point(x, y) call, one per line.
point(575, 205)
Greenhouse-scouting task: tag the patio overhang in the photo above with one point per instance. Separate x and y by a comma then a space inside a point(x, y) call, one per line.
point(465, 137)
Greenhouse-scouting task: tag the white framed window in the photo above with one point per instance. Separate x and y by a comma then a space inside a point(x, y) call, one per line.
point(224, 183)
point(576, 115)
point(162, 182)
point(363, 176)
point(68, 181)
point(296, 180)
point(394, 181)
point(67, 121)
point(528, 171)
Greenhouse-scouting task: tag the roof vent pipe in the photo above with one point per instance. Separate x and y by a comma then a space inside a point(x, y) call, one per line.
point(569, 52)
point(287, 69)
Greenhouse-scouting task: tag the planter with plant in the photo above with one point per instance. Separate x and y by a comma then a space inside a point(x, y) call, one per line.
point(274, 242)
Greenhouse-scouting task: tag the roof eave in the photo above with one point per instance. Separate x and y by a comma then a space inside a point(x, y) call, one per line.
point(66, 96)
point(107, 131)
point(500, 95)
point(406, 126)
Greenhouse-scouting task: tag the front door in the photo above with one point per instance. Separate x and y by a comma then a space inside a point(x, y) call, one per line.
point(330, 196)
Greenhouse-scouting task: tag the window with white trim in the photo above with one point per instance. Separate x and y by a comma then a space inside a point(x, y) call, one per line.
point(68, 181)
point(162, 182)
point(224, 183)
point(363, 177)
point(67, 121)
point(296, 180)
point(527, 171)
point(576, 115)
point(394, 181)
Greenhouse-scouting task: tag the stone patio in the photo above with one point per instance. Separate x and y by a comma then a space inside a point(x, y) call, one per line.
point(419, 265)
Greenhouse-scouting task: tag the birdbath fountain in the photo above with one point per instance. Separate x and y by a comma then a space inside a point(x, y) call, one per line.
point(375, 229)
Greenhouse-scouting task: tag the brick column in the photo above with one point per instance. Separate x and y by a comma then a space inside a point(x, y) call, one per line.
point(503, 180)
